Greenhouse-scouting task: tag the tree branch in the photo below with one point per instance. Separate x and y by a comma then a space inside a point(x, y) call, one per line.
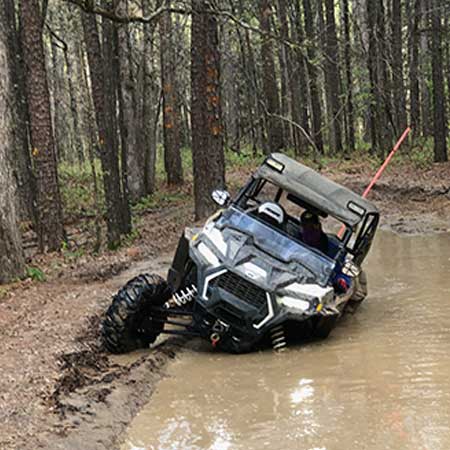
point(116, 16)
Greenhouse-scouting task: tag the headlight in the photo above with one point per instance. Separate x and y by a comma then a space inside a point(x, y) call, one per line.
point(310, 291)
point(294, 303)
point(208, 254)
point(215, 236)
point(302, 297)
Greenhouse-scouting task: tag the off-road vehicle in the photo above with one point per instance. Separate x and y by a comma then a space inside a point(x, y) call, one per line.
point(247, 278)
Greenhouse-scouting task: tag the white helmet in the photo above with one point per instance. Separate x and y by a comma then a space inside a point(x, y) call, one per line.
point(272, 210)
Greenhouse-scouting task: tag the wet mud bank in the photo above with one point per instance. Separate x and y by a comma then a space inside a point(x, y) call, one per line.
point(98, 396)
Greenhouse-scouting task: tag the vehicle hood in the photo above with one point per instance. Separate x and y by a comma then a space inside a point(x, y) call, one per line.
point(262, 255)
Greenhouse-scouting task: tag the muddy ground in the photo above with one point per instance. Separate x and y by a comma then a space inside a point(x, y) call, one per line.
point(58, 389)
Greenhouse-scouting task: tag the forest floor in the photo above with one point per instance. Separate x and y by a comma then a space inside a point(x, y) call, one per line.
point(58, 389)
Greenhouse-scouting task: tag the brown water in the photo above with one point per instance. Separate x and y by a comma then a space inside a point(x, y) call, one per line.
point(380, 381)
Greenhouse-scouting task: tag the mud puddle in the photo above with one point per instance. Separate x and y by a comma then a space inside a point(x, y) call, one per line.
point(381, 380)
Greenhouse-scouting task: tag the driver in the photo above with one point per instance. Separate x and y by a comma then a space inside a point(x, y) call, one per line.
point(272, 213)
point(312, 233)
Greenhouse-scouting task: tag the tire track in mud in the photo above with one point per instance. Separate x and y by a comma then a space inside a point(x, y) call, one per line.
point(97, 401)
point(98, 394)
point(58, 389)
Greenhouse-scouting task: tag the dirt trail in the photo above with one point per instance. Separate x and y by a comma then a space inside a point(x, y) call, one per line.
point(54, 376)
point(58, 390)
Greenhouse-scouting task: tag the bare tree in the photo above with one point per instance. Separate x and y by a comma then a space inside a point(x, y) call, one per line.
point(348, 76)
point(313, 76)
point(104, 97)
point(171, 101)
point(150, 104)
point(49, 213)
point(207, 128)
point(397, 67)
point(272, 98)
point(11, 255)
point(413, 46)
point(439, 116)
point(332, 76)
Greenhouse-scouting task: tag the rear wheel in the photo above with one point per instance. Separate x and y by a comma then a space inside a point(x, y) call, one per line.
point(359, 294)
point(361, 287)
point(130, 322)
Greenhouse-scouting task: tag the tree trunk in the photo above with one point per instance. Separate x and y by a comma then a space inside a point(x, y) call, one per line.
point(61, 133)
point(49, 214)
point(397, 67)
point(348, 77)
point(299, 79)
point(150, 106)
point(439, 116)
point(111, 77)
point(11, 255)
point(386, 124)
point(284, 73)
point(255, 89)
point(313, 77)
point(380, 114)
point(248, 119)
point(93, 147)
point(413, 45)
point(207, 129)
point(171, 102)
point(332, 76)
point(272, 103)
point(231, 98)
point(22, 159)
point(292, 83)
point(447, 54)
point(107, 138)
point(424, 72)
point(134, 160)
point(77, 132)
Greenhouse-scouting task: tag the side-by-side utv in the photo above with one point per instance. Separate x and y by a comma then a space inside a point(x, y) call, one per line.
point(250, 278)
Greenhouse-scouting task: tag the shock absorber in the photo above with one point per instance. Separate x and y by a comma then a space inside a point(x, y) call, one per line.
point(183, 296)
point(278, 338)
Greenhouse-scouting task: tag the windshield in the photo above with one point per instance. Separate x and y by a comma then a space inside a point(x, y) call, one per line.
point(278, 245)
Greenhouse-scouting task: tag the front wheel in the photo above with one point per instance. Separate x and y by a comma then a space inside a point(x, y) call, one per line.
point(130, 323)
point(323, 326)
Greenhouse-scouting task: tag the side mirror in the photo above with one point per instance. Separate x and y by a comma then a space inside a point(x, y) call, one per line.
point(222, 198)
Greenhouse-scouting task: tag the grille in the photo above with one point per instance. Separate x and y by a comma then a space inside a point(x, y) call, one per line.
point(242, 289)
point(230, 315)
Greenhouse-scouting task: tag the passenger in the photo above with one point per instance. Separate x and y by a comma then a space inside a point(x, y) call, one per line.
point(312, 233)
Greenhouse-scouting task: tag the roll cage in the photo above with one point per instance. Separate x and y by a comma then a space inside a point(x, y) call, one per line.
point(357, 236)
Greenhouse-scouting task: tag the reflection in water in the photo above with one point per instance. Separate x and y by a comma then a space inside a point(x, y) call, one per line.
point(380, 381)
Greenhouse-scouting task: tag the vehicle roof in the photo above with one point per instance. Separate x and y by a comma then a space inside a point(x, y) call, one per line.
point(314, 189)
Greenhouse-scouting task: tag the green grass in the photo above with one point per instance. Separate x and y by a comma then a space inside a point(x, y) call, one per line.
point(158, 200)
point(35, 274)
point(77, 190)
point(78, 194)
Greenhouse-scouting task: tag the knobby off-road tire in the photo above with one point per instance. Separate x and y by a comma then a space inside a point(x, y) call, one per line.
point(359, 294)
point(131, 310)
point(361, 289)
point(324, 326)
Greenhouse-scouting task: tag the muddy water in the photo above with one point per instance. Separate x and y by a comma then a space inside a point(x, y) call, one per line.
point(380, 381)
